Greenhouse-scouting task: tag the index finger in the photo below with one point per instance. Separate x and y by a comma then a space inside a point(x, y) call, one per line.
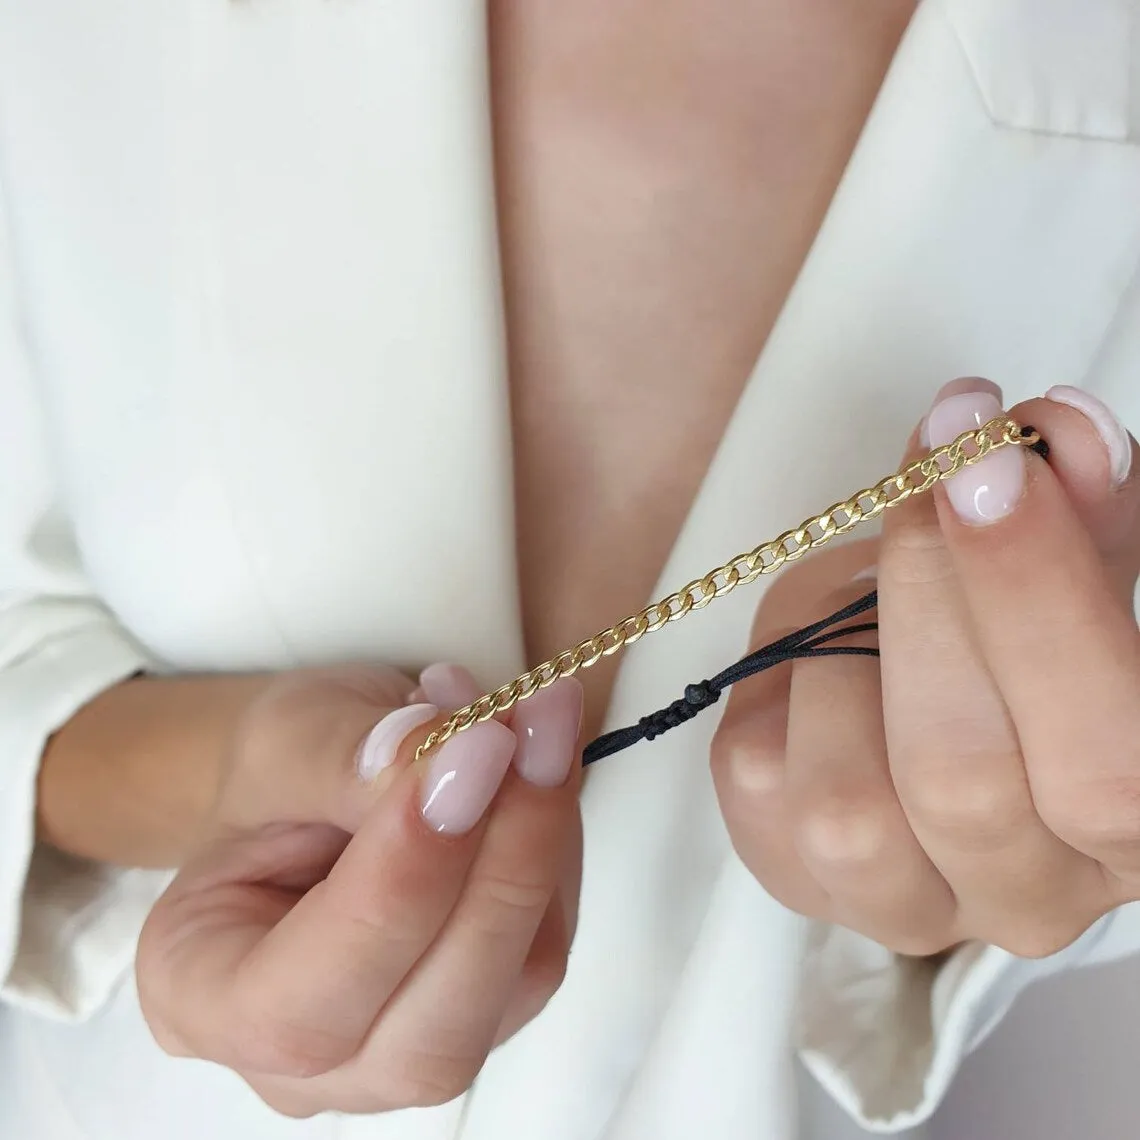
point(1057, 634)
point(296, 994)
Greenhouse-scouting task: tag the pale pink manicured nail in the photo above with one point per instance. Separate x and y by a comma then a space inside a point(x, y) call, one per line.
point(1114, 435)
point(463, 776)
point(547, 729)
point(449, 686)
point(382, 743)
point(955, 388)
point(416, 697)
point(987, 491)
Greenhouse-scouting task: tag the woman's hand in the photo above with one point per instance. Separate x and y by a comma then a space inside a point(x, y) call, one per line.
point(982, 779)
point(359, 931)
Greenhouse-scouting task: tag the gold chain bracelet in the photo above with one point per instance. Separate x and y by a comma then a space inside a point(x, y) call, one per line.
point(942, 463)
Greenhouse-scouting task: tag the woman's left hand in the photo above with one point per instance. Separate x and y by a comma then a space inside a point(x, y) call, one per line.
point(981, 780)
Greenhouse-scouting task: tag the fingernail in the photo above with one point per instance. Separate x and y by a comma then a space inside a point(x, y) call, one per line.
point(1114, 435)
point(987, 491)
point(867, 574)
point(449, 686)
point(955, 388)
point(383, 742)
point(547, 729)
point(416, 697)
point(463, 776)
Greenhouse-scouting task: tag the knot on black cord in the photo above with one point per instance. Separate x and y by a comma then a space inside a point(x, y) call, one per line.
point(813, 641)
point(697, 697)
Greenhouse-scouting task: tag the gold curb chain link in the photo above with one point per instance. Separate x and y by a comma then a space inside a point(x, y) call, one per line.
point(942, 463)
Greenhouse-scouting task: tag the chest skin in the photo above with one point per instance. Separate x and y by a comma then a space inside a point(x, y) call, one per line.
point(661, 176)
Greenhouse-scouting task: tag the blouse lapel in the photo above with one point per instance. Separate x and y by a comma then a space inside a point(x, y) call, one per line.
point(1061, 67)
point(986, 224)
point(336, 265)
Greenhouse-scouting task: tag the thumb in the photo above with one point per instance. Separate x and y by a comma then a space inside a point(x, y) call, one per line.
point(1095, 459)
point(389, 743)
point(320, 746)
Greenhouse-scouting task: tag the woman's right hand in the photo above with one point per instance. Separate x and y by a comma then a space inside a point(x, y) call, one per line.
point(358, 931)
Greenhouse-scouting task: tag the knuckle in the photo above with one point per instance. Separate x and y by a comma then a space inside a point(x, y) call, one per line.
point(918, 944)
point(777, 869)
point(747, 765)
point(790, 891)
point(273, 1046)
point(505, 902)
point(428, 1080)
point(287, 1104)
point(378, 911)
point(845, 834)
point(917, 555)
point(290, 1109)
point(976, 815)
point(241, 1036)
point(1101, 821)
point(1040, 939)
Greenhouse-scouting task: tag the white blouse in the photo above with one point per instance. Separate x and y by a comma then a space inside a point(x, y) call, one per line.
point(249, 292)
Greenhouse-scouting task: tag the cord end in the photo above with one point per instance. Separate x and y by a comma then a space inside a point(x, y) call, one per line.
point(1038, 445)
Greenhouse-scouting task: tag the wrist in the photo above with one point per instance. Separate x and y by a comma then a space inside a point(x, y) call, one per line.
point(133, 777)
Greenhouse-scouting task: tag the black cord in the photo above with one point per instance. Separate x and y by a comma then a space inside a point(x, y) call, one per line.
point(811, 641)
point(1040, 447)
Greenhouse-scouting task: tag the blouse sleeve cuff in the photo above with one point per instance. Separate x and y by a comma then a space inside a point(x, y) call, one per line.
point(68, 927)
point(885, 1034)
